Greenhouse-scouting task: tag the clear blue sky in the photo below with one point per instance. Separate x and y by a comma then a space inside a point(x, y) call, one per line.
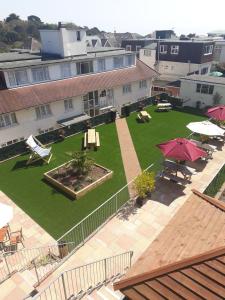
point(142, 16)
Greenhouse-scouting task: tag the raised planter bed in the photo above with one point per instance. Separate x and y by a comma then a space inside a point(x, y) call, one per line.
point(75, 186)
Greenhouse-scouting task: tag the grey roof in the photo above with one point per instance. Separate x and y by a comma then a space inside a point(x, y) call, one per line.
point(17, 56)
point(92, 53)
point(205, 78)
point(185, 41)
point(152, 46)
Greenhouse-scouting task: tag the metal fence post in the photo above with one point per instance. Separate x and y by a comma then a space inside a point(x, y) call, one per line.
point(82, 231)
point(116, 203)
point(7, 266)
point(36, 272)
point(105, 269)
point(64, 286)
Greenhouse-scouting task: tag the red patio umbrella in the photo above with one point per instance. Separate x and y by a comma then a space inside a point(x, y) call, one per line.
point(217, 112)
point(181, 149)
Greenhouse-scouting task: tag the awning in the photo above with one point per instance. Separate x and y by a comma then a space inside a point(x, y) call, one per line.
point(73, 120)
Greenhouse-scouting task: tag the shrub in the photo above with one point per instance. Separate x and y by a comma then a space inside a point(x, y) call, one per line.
point(144, 184)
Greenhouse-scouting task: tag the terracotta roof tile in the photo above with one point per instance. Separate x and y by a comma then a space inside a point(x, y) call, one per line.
point(34, 95)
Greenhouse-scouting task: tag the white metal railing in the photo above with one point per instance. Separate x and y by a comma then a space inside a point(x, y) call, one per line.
point(78, 281)
point(45, 260)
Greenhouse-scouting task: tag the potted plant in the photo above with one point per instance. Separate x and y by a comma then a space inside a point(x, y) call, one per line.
point(144, 184)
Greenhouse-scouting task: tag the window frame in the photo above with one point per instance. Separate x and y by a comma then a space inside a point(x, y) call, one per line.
point(8, 120)
point(68, 104)
point(13, 76)
point(45, 73)
point(79, 67)
point(116, 65)
point(127, 89)
point(143, 84)
point(103, 66)
point(210, 49)
point(62, 65)
point(147, 51)
point(174, 49)
point(165, 49)
point(43, 111)
point(206, 89)
point(128, 46)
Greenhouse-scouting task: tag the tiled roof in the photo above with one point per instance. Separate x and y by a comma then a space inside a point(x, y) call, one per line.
point(184, 258)
point(38, 94)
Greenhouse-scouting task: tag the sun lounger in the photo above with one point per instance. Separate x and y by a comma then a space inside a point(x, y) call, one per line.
point(38, 151)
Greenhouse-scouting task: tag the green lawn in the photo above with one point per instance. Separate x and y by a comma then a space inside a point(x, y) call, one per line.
point(52, 210)
point(162, 127)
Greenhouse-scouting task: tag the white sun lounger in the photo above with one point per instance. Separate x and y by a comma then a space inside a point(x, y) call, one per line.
point(38, 151)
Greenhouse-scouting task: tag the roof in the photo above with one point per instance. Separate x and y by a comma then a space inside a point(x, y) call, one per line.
point(35, 60)
point(194, 41)
point(17, 56)
point(30, 96)
point(193, 240)
point(205, 78)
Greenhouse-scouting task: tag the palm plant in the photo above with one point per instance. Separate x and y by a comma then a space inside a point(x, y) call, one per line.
point(81, 163)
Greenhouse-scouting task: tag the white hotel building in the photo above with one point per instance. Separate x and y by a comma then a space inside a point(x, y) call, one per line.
point(67, 80)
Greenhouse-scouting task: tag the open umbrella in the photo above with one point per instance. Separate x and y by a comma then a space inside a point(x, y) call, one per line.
point(181, 149)
point(205, 128)
point(6, 214)
point(217, 112)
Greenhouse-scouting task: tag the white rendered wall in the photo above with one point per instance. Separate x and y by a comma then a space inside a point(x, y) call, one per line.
point(28, 123)
point(148, 60)
point(190, 96)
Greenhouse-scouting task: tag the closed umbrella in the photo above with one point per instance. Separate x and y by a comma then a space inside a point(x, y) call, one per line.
point(6, 214)
point(217, 112)
point(206, 128)
point(181, 149)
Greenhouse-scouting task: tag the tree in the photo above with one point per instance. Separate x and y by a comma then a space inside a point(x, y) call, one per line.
point(12, 17)
point(191, 35)
point(144, 184)
point(217, 98)
point(34, 19)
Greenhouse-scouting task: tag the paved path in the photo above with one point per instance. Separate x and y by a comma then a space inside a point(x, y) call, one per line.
point(129, 156)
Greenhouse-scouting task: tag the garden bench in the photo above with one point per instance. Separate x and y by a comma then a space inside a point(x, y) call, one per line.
point(85, 140)
point(97, 139)
point(172, 177)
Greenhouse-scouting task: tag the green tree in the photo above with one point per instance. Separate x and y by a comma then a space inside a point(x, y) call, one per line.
point(34, 19)
point(12, 17)
point(81, 163)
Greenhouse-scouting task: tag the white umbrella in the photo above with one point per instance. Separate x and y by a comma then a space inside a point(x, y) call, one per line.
point(6, 214)
point(205, 128)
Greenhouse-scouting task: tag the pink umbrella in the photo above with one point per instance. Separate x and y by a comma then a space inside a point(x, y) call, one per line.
point(181, 149)
point(217, 112)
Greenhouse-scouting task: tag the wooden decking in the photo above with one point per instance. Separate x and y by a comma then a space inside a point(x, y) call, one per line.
point(197, 229)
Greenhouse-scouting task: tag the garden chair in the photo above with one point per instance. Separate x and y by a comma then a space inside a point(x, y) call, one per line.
point(15, 238)
point(38, 151)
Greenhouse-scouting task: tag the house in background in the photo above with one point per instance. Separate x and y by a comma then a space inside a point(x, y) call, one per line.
point(186, 260)
point(163, 34)
point(67, 81)
point(135, 45)
point(219, 52)
point(201, 90)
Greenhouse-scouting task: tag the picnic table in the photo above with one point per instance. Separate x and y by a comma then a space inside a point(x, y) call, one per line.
point(144, 116)
point(174, 167)
point(91, 139)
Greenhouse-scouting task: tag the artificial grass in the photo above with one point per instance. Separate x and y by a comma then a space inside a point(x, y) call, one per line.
point(54, 211)
point(163, 126)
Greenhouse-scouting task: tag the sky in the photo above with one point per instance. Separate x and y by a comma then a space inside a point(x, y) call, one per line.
point(141, 16)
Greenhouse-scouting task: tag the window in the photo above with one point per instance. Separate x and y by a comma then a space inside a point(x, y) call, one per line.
point(65, 70)
point(208, 49)
point(18, 77)
point(84, 67)
point(163, 49)
point(126, 89)
point(43, 111)
point(68, 104)
point(118, 62)
point(204, 88)
point(204, 70)
point(91, 103)
point(101, 65)
point(40, 74)
point(102, 93)
point(129, 60)
point(138, 47)
point(8, 120)
point(174, 49)
point(143, 84)
point(147, 52)
point(128, 47)
point(78, 36)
